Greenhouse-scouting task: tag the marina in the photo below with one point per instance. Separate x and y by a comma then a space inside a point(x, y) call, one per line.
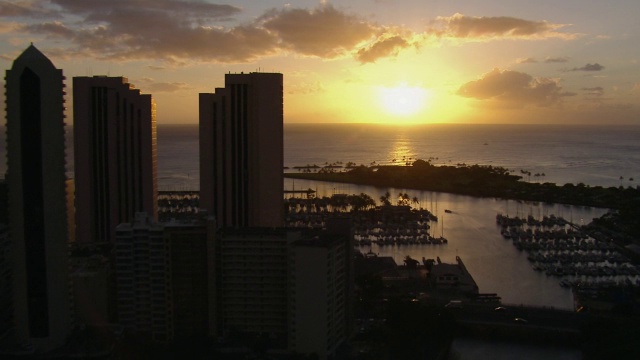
point(577, 257)
point(473, 234)
point(380, 225)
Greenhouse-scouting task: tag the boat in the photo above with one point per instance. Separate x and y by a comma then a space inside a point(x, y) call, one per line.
point(448, 211)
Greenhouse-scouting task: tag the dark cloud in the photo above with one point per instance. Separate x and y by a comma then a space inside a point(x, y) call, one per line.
point(469, 27)
point(323, 32)
point(53, 29)
point(26, 9)
point(512, 88)
point(180, 31)
point(134, 34)
point(175, 31)
point(382, 48)
point(178, 8)
point(589, 67)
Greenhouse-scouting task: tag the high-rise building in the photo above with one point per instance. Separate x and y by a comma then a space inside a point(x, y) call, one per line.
point(252, 281)
point(192, 276)
point(293, 286)
point(241, 151)
point(143, 278)
point(114, 154)
point(37, 200)
point(6, 299)
point(164, 277)
point(320, 300)
point(92, 287)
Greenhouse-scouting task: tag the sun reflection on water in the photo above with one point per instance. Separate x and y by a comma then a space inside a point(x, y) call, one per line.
point(401, 152)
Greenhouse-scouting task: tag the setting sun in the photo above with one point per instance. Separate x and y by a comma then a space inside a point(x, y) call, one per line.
point(403, 100)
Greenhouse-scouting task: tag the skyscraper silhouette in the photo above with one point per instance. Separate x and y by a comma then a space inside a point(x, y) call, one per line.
point(37, 200)
point(115, 155)
point(241, 151)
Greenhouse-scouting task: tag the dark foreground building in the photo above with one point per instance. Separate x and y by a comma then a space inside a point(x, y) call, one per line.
point(241, 151)
point(114, 154)
point(37, 201)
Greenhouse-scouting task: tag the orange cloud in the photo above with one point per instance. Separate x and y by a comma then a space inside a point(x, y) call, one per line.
point(323, 32)
point(461, 26)
point(382, 48)
point(512, 88)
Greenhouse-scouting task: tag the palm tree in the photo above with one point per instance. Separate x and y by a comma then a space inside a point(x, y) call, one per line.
point(384, 199)
point(403, 199)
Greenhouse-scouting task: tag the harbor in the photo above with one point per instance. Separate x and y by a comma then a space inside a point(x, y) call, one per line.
point(472, 234)
point(525, 260)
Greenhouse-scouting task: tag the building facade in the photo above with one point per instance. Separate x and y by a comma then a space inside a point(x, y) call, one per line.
point(6, 286)
point(322, 289)
point(37, 200)
point(293, 286)
point(143, 278)
point(191, 249)
point(164, 277)
point(114, 155)
point(252, 282)
point(241, 151)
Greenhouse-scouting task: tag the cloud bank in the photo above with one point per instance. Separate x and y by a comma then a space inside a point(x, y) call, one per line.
point(189, 30)
point(506, 88)
point(460, 26)
point(589, 67)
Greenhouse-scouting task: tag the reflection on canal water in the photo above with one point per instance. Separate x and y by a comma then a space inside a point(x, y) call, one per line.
point(472, 233)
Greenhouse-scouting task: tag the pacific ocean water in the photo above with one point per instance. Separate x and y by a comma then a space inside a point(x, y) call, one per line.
point(593, 155)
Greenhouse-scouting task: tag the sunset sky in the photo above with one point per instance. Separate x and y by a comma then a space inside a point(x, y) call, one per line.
point(382, 61)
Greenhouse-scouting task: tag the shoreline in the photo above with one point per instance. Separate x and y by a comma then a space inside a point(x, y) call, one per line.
point(474, 180)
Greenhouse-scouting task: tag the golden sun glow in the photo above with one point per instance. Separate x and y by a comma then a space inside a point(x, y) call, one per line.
point(403, 100)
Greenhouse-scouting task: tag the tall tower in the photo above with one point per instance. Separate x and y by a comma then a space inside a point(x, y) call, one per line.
point(241, 151)
point(37, 200)
point(115, 155)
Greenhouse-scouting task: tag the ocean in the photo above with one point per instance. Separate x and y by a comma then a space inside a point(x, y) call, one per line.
point(593, 155)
